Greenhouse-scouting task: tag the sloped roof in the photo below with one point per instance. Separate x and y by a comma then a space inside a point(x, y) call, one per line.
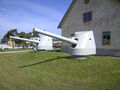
point(66, 14)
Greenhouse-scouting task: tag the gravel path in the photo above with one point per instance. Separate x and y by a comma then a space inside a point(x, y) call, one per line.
point(17, 51)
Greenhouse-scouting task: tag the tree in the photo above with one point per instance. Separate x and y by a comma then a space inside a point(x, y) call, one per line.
point(24, 35)
point(12, 32)
point(6, 37)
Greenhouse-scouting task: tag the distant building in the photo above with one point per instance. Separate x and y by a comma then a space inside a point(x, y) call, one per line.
point(56, 43)
point(101, 16)
point(11, 43)
point(35, 38)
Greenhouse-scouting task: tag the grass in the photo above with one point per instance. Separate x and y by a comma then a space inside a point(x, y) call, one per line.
point(57, 71)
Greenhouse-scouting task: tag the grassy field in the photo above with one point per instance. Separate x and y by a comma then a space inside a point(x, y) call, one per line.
point(57, 71)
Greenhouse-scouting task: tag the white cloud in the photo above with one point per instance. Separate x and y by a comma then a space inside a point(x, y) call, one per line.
point(37, 7)
point(23, 20)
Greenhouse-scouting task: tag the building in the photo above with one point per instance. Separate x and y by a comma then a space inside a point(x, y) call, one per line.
point(56, 43)
point(101, 16)
point(35, 38)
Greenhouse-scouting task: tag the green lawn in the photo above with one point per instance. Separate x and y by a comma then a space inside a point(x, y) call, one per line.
point(57, 71)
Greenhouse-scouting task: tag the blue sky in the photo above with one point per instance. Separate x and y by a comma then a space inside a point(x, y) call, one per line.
point(26, 14)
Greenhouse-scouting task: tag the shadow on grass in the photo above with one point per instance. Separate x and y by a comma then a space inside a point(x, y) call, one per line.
point(44, 61)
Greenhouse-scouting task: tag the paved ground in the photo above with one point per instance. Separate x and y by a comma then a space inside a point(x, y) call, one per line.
point(17, 51)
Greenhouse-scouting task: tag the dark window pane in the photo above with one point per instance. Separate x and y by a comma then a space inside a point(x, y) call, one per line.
point(72, 35)
point(87, 16)
point(106, 38)
point(87, 1)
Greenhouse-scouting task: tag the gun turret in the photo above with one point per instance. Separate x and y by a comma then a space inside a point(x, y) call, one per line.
point(45, 43)
point(56, 36)
point(81, 44)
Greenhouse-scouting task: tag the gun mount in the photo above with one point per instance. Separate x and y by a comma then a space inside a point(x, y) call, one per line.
point(45, 43)
point(81, 44)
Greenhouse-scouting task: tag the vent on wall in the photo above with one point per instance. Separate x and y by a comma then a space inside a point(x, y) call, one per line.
point(86, 1)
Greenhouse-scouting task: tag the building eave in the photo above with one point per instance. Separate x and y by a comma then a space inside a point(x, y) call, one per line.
point(66, 14)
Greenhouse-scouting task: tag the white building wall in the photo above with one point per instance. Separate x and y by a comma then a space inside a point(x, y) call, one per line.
point(105, 17)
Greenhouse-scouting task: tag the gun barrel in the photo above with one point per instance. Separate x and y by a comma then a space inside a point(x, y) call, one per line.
point(24, 39)
point(56, 36)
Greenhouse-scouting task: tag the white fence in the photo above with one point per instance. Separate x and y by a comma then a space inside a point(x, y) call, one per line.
point(3, 46)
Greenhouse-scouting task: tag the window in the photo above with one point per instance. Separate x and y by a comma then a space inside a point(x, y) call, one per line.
point(87, 16)
point(106, 38)
point(72, 35)
point(86, 1)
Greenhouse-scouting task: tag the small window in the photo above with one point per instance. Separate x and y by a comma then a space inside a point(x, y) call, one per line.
point(86, 1)
point(72, 35)
point(106, 38)
point(87, 16)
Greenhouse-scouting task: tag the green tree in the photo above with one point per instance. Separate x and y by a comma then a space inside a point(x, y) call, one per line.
point(6, 37)
point(24, 35)
point(12, 32)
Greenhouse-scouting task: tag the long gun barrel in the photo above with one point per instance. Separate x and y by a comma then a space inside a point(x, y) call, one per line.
point(56, 36)
point(24, 39)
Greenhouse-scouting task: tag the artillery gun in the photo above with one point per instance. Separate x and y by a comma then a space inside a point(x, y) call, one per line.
point(80, 44)
point(44, 43)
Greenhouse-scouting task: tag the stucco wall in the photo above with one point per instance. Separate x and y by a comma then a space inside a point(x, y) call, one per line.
point(105, 17)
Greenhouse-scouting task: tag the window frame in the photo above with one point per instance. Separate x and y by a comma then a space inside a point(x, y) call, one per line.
point(106, 38)
point(86, 1)
point(87, 16)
